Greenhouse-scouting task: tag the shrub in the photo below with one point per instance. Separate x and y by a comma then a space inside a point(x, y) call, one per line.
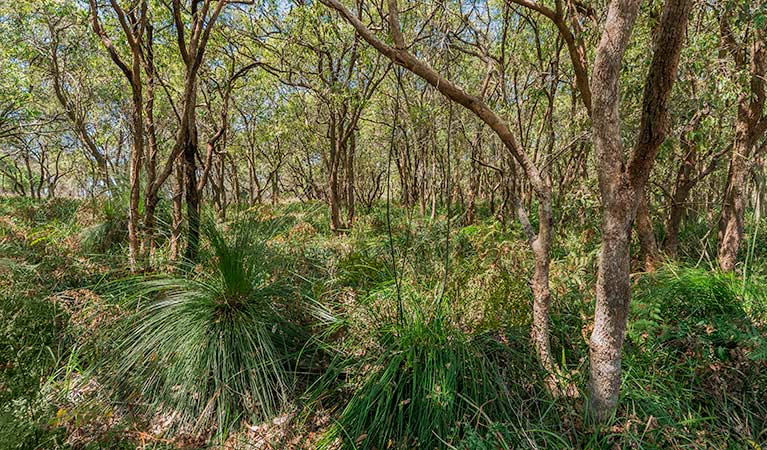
point(212, 347)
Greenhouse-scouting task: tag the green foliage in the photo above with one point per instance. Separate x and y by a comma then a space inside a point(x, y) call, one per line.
point(421, 381)
point(696, 353)
point(676, 302)
point(213, 347)
point(109, 232)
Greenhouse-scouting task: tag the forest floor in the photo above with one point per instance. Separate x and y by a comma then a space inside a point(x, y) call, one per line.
point(373, 343)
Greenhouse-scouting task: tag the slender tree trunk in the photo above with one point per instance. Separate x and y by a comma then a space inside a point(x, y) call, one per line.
point(350, 179)
point(136, 156)
point(750, 126)
point(192, 200)
point(151, 194)
point(676, 214)
point(541, 246)
point(275, 186)
point(178, 215)
point(335, 209)
point(235, 180)
point(682, 188)
point(188, 142)
point(648, 246)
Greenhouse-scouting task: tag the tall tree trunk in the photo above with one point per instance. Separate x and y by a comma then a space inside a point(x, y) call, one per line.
point(335, 208)
point(151, 195)
point(674, 222)
point(275, 186)
point(178, 215)
point(135, 171)
point(750, 126)
point(621, 184)
point(192, 199)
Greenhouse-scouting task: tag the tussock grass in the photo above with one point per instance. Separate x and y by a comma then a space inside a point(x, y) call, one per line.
point(213, 350)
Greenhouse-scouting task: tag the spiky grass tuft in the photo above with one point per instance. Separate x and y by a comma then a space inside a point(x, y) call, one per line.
point(426, 382)
point(210, 349)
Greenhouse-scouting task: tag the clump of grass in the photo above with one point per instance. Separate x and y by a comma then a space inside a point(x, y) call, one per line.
point(109, 232)
point(211, 349)
point(424, 380)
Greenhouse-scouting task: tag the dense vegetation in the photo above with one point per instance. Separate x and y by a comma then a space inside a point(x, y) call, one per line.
point(334, 356)
point(383, 225)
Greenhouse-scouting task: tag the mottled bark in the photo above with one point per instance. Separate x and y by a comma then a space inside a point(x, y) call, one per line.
point(349, 180)
point(621, 184)
point(732, 216)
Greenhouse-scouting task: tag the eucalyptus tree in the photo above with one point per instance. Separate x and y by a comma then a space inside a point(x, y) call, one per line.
point(622, 182)
point(133, 24)
point(743, 34)
point(194, 22)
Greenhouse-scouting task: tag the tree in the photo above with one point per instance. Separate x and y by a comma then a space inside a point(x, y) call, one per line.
point(133, 25)
point(203, 15)
point(750, 57)
point(622, 182)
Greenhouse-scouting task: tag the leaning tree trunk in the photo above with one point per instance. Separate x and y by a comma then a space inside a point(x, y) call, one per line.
point(541, 246)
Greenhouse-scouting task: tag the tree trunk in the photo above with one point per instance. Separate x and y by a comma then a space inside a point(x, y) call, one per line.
point(275, 186)
point(648, 247)
point(135, 172)
point(335, 209)
point(541, 247)
point(192, 199)
point(349, 180)
point(677, 208)
point(178, 215)
point(612, 293)
point(621, 185)
point(750, 125)
point(731, 219)
point(676, 214)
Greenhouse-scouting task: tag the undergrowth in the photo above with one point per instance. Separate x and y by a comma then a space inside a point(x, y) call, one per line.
point(283, 320)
